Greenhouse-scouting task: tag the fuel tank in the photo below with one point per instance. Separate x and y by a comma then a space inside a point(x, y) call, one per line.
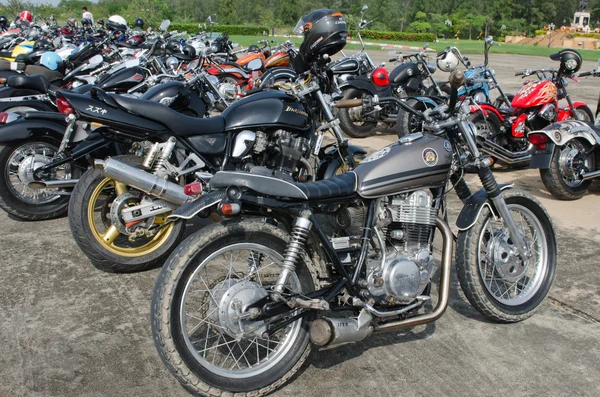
point(403, 72)
point(277, 60)
point(267, 109)
point(123, 79)
point(347, 65)
point(421, 163)
point(535, 93)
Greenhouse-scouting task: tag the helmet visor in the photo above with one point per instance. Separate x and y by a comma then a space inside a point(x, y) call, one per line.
point(299, 29)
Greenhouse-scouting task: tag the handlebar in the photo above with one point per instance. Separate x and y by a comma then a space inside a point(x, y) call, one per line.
point(348, 103)
point(591, 73)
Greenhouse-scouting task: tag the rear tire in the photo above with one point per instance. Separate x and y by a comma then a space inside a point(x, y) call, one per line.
point(22, 207)
point(352, 127)
point(169, 301)
point(554, 178)
point(107, 256)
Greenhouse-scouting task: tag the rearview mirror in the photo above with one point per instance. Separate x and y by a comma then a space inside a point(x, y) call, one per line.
point(165, 25)
point(96, 60)
point(364, 9)
point(255, 64)
point(208, 20)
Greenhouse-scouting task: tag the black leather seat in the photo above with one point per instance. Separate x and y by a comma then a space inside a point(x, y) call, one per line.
point(178, 123)
point(183, 57)
point(38, 83)
point(337, 186)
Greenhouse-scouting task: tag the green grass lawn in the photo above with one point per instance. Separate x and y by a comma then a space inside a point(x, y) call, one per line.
point(465, 46)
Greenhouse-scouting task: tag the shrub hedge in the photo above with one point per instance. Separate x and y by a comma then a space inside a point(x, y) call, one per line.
point(238, 30)
point(397, 36)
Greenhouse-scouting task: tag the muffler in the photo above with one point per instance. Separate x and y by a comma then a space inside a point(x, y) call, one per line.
point(55, 184)
point(327, 331)
point(591, 175)
point(504, 155)
point(142, 180)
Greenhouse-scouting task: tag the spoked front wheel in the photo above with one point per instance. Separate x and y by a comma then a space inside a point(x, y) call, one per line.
point(495, 278)
point(203, 323)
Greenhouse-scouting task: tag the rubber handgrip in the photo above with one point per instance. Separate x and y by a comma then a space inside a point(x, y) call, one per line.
point(348, 103)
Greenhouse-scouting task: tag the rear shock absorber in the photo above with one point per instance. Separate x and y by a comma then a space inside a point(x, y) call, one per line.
point(294, 249)
point(163, 155)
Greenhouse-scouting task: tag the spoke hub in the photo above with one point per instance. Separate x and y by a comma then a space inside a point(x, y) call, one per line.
point(506, 258)
point(29, 164)
point(234, 297)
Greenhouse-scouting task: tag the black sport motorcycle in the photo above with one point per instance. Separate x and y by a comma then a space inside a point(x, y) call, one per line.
point(118, 210)
point(43, 154)
point(237, 305)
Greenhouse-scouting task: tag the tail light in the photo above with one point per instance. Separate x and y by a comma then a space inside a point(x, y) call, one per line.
point(3, 117)
point(192, 189)
point(380, 77)
point(518, 126)
point(538, 140)
point(64, 107)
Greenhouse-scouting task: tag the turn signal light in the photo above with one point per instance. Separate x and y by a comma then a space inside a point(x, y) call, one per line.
point(3, 117)
point(229, 208)
point(64, 107)
point(192, 189)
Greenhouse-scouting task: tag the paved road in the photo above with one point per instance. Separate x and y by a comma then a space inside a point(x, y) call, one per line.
point(67, 329)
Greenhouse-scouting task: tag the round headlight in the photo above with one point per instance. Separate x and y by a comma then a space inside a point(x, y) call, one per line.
point(571, 64)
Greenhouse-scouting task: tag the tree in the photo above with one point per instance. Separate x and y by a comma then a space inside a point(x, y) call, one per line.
point(152, 11)
point(420, 25)
point(227, 13)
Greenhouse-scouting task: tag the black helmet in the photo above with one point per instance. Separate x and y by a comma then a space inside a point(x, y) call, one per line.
point(253, 48)
point(3, 21)
point(570, 60)
point(86, 22)
point(172, 47)
point(139, 23)
point(189, 51)
point(325, 32)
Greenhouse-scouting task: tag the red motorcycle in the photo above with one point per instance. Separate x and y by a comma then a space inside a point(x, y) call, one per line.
point(502, 131)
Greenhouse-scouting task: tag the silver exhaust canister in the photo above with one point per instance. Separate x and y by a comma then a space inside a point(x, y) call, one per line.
point(141, 180)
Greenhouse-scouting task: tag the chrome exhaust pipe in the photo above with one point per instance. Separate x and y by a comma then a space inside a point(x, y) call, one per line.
point(444, 292)
point(56, 184)
point(141, 180)
point(591, 175)
point(504, 155)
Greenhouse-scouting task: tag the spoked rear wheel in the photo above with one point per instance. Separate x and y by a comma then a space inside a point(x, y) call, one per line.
point(202, 320)
point(494, 277)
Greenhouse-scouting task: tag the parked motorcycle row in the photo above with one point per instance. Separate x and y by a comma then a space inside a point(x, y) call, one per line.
point(311, 243)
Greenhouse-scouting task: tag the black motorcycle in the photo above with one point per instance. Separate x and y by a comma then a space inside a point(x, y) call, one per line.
point(118, 210)
point(412, 79)
point(236, 307)
point(43, 154)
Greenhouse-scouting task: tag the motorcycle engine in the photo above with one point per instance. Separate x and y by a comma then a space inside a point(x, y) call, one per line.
point(285, 152)
point(407, 222)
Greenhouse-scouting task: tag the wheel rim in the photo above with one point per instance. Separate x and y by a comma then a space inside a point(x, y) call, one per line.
point(582, 115)
point(23, 161)
point(570, 163)
point(111, 236)
point(508, 279)
point(210, 329)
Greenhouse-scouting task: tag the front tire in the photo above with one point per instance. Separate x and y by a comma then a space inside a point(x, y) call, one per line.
point(18, 161)
point(351, 121)
point(192, 268)
point(494, 279)
point(96, 234)
point(408, 123)
point(562, 179)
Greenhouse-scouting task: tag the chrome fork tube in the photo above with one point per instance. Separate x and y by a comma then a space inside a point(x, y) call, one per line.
point(329, 116)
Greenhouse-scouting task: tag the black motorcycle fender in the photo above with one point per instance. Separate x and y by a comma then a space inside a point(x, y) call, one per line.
point(34, 104)
point(193, 208)
point(473, 205)
point(365, 84)
point(27, 128)
point(329, 165)
point(277, 74)
point(11, 92)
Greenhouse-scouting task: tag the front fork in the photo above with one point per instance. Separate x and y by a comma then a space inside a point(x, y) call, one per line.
point(337, 131)
point(490, 185)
